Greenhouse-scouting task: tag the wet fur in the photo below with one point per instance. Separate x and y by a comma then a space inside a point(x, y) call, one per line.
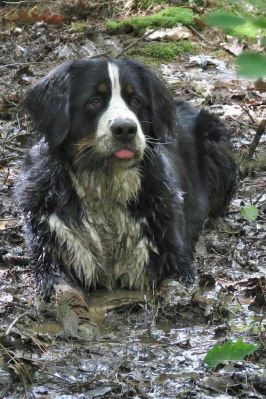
point(94, 224)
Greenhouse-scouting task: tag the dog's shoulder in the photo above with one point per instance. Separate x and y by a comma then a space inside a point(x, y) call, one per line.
point(44, 185)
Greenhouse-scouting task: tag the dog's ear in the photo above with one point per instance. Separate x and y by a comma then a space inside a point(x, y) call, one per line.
point(162, 107)
point(48, 104)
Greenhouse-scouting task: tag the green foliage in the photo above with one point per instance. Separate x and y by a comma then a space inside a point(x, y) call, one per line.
point(168, 17)
point(228, 352)
point(164, 51)
point(224, 20)
point(250, 64)
point(237, 26)
point(249, 212)
point(260, 22)
point(247, 30)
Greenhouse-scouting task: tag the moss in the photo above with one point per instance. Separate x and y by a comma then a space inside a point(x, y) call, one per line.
point(79, 26)
point(167, 18)
point(164, 51)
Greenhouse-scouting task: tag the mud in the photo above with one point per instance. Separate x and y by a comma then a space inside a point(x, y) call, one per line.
point(149, 346)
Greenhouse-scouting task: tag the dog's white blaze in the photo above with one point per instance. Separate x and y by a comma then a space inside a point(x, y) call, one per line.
point(117, 108)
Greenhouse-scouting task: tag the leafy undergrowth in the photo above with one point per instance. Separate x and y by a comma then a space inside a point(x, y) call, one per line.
point(146, 347)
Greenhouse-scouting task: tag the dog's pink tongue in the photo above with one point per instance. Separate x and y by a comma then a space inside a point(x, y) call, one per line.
point(124, 154)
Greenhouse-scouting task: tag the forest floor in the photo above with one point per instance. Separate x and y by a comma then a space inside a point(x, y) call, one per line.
point(148, 347)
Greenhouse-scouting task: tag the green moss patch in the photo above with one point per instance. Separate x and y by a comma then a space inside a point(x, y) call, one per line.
point(168, 17)
point(79, 26)
point(164, 51)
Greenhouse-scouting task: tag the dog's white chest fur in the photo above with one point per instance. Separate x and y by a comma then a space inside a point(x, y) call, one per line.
point(108, 249)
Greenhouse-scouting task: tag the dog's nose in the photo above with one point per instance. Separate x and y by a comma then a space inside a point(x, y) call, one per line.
point(124, 129)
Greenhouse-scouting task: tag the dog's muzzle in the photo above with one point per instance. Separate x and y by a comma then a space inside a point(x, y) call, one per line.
point(124, 131)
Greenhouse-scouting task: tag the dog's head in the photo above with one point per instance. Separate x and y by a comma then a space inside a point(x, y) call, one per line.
point(101, 112)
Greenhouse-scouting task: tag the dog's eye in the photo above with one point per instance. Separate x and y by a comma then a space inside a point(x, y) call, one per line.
point(134, 102)
point(94, 103)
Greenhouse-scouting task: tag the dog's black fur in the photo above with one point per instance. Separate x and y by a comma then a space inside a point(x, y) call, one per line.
point(189, 152)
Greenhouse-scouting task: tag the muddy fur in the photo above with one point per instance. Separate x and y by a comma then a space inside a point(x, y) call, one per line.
point(98, 221)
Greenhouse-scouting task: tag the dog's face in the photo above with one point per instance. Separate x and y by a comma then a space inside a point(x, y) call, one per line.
point(108, 116)
point(101, 113)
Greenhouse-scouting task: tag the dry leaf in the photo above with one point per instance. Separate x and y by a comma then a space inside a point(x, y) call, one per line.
point(179, 32)
point(31, 16)
point(233, 46)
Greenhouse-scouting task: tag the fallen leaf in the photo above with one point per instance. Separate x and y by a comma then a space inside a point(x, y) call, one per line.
point(2, 225)
point(179, 32)
point(233, 46)
point(31, 16)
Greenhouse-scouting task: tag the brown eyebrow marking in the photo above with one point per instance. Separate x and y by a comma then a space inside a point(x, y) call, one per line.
point(129, 88)
point(102, 88)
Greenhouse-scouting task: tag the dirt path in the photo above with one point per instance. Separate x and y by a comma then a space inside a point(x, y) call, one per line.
point(148, 347)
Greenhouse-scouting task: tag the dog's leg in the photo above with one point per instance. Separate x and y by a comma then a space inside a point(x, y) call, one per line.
point(52, 277)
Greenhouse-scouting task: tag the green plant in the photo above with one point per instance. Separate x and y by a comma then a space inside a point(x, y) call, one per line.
point(249, 212)
point(253, 26)
point(230, 351)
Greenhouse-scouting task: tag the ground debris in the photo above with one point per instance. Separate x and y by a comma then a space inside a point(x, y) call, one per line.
point(148, 346)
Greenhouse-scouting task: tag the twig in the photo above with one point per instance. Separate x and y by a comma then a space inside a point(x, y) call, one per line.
point(15, 259)
point(231, 118)
point(7, 219)
point(15, 149)
point(259, 197)
point(248, 112)
point(103, 55)
point(13, 227)
point(27, 1)
point(200, 35)
point(22, 63)
point(15, 322)
point(133, 44)
point(257, 137)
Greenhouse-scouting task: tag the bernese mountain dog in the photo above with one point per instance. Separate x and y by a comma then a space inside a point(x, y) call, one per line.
point(117, 188)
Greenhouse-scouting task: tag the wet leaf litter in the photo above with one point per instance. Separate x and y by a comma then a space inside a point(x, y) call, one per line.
point(149, 346)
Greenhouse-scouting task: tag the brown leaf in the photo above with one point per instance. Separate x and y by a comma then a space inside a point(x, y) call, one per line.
point(31, 16)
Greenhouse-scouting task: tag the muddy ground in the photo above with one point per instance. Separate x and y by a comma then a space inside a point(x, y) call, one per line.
point(148, 346)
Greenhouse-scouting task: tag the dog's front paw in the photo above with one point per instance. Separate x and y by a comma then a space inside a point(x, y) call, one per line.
point(74, 313)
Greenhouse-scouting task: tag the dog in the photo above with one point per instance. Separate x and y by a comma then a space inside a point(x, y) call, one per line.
point(117, 188)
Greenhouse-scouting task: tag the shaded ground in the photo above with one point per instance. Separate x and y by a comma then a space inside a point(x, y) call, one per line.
point(149, 347)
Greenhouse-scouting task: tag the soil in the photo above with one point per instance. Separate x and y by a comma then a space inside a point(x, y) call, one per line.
point(148, 346)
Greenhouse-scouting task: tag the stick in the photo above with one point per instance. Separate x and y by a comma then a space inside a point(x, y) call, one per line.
point(15, 259)
point(255, 141)
point(248, 112)
point(15, 322)
point(137, 41)
point(200, 35)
